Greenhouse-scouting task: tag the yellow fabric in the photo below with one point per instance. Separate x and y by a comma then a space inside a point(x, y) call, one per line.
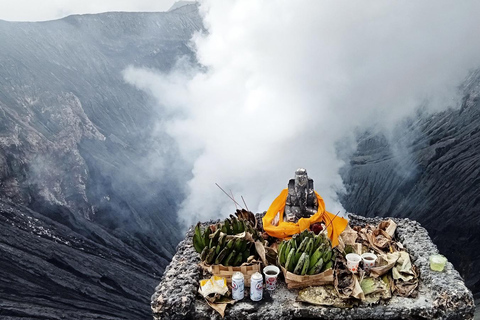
point(287, 229)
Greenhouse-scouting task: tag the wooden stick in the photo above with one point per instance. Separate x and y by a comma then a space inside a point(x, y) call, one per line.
point(245, 203)
point(229, 196)
point(236, 207)
point(331, 221)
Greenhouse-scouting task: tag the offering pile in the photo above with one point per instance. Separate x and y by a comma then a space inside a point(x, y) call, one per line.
point(306, 253)
point(230, 243)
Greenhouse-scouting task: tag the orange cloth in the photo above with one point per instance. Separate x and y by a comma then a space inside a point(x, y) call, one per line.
point(287, 229)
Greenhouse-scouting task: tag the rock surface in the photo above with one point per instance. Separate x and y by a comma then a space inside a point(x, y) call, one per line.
point(441, 295)
point(51, 271)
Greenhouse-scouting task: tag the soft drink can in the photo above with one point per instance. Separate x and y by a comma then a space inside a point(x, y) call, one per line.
point(256, 287)
point(238, 286)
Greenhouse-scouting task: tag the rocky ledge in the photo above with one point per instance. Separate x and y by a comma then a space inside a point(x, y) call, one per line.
point(442, 295)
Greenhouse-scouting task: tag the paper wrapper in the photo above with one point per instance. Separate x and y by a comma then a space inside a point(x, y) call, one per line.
point(227, 272)
point(215, 292)
point(220, 305)
point(214, 285)
point(385, 263)
point(389, 226)
point(323, 296)
point(295, 281)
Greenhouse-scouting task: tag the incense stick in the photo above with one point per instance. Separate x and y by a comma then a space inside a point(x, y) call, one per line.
point(245, 203)
point(331, 221)
point(236, 207)
point(229, 196)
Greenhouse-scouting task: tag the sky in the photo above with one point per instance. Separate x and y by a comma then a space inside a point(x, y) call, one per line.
point(35, 10)
point(284, 83)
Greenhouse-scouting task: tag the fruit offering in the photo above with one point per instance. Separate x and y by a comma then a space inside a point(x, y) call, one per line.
point(224, 244)
point(306, 253)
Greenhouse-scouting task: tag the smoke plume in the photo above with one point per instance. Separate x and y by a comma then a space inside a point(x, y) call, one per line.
point(281, 83)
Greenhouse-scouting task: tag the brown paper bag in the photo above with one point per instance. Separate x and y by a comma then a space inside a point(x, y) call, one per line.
point(385, 263)
point(295, 281)
point(247, 269)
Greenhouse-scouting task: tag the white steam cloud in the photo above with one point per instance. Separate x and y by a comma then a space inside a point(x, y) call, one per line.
point(284, 81)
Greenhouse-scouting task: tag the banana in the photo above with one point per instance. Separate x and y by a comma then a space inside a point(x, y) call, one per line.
point(298, 269)
point(234, 224)
point(197, 244)
point(296, 257)
point(293, 241)
point(221, 256)
point(281, 247)
point(230, 244)
point(241, 226)
point(302, 246)
point(305, 265)
point(231, 256)
point(318, 240)
point(289, 264)
point(328, 266)
point(316, 268)
point(304, 234)
point(238, 245)
point(206, 236)
point(228, 226)
point(244, 245)
point(280, 256)
point(222, 240)
point(327, 255)
point(214, 238)
point(315, 257)
point(210, 256)
point(309, 246)
point(287, 251)
point(224, 228)
point(238, 260)
point(249, 228)
point(204, 253)
point(299, 240)
point(197, 237)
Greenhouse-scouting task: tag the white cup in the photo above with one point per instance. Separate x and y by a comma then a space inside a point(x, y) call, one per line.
point(353, 260)
point(271, 274)
point(368, 260)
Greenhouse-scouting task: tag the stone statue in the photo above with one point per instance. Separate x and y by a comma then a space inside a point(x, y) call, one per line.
point(301, 200)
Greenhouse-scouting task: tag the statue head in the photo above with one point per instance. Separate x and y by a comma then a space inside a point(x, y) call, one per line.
point(301, 177)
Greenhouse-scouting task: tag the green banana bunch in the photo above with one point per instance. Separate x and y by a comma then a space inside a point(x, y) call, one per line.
point(306, 253)
point(223, 243)
point(231, 252)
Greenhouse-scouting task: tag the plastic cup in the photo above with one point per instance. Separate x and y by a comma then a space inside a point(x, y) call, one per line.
point(437, 262)
point(369, 260)
point(271, 274)
point(353, 260)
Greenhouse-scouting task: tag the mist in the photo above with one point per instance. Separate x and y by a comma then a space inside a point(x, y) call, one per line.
point(280, 85)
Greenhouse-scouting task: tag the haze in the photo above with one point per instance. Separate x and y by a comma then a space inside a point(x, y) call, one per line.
point(33, 10)
point(284, 83)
